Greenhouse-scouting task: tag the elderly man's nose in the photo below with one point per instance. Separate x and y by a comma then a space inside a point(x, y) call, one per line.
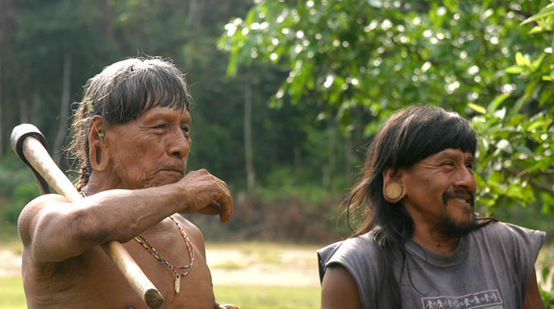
point(180, 145)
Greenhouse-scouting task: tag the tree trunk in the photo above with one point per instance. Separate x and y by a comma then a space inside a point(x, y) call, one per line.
point(36, 104)
point(348, 159)
point(194, 14)
point(64, 108)
point(24, 110)
point(297, 152)
point(8, 11)
point(331, 156)
point(1, 99)
point(108, 28)
point(248, 152)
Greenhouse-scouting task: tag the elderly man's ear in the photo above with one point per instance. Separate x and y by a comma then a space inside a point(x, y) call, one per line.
point(98, 151)
point(393, 189)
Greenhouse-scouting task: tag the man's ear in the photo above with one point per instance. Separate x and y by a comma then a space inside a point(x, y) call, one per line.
point(98, 152)
point(393, 189)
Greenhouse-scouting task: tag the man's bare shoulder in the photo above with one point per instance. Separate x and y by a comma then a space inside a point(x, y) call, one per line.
point(33, 209)
point(187, 225)
point(193, 231)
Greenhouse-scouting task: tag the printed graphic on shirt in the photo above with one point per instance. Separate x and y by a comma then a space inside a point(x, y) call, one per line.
point(489, 299)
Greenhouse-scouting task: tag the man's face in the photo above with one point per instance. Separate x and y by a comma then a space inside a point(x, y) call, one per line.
point(440, 192)
point(151, 150)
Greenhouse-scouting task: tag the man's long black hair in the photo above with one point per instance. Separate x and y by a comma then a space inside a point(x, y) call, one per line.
point(407, 137)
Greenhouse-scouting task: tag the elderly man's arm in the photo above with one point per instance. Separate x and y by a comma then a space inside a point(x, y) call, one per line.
point(55, 229)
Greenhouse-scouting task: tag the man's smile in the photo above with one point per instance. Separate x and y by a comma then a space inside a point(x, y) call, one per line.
point(462, 197)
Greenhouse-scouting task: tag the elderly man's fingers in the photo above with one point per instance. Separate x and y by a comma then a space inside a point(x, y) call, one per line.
point(213, 208)
point(226, 212)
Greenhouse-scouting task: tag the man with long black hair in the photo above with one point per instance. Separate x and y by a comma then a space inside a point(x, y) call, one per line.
point(421, 244)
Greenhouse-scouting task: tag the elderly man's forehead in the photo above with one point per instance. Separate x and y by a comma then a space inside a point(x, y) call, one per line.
point(160, 111)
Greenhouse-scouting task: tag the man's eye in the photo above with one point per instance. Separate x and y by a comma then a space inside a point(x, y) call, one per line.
point(160, 126)
point(185, 129)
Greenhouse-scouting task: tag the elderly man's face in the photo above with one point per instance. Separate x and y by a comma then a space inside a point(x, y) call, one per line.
point(151, 150)
point(440, 192)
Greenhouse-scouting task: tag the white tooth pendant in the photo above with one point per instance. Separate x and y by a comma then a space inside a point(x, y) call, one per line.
point(177, 284)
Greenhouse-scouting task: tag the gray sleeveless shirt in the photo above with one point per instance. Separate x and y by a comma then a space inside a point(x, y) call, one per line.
point(490, 268)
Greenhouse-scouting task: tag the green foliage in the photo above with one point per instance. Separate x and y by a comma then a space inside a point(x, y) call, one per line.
point(517, 132)
point(17, 188)
point(383, 55)
point(22, 195)
point(546, 275)
point(547, 296)
point(12, 172)
point(316, 69)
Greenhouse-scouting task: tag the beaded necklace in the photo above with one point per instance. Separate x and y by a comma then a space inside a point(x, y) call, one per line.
point(146, 245)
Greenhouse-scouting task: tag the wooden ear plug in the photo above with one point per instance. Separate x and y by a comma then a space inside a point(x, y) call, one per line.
point(393, 191)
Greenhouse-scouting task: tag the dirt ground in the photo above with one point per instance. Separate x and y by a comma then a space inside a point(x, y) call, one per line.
point(229, 266)
point(10, 263)
point(286, 267)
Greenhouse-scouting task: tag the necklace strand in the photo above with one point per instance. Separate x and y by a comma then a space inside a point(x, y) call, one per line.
point(146, 245)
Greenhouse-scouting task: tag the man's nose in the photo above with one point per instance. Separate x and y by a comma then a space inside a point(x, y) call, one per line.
point(465, 178)
point(179, 144)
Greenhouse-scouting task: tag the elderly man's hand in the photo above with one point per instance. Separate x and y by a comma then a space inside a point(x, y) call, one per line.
point(206, 194)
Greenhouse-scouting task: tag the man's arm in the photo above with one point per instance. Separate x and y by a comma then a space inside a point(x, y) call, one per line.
point(533, 298)
point(55, 229)
point(338, 289)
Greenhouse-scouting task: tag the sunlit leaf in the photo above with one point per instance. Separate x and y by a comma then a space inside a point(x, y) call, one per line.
point(522, 60)
point(516, 69)
point(477, 108)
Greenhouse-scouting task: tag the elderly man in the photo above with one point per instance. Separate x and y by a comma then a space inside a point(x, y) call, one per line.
point(421, 244)
point(132, 134)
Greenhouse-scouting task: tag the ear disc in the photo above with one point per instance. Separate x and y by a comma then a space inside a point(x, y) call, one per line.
point(393, 191)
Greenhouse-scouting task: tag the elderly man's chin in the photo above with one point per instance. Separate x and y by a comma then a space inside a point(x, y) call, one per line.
point(163, 178)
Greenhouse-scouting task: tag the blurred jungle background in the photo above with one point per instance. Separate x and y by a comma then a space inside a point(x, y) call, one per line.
point(288, 95)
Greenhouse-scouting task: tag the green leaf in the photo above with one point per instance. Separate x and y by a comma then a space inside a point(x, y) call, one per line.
point(515, 191)
point(522, 60)
point(516, 69)
point(477, 108)
point(536, 124)
point(496, 102)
